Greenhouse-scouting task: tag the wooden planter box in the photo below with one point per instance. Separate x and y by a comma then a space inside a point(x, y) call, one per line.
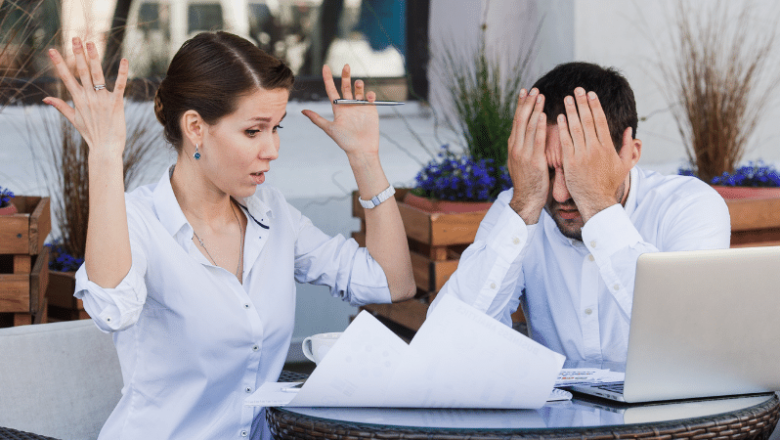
point(436, 241)
point(63, 306)
point(24, 261)
point(754, 222)
point(25, 231)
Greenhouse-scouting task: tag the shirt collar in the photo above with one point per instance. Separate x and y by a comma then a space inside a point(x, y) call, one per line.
point(167, 207)
point(259, 212)
point(172, 217)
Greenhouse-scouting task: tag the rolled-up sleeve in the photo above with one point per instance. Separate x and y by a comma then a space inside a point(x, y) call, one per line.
point(120, 307)
point(339, 263)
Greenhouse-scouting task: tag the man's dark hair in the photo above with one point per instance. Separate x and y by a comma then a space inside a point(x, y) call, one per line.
point(613, 90)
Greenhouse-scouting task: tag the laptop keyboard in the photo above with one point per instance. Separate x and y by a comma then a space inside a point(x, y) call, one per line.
point(616, 388)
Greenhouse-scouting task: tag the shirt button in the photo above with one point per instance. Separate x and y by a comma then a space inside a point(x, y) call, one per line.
point(246, 306)
point(591, 257)
point(616, 287)
point(588, 311)
point(492, 285)
point(243, 434)
point(593, 243)
point(108, 319)
point(248, 389)
point(516, 240)
point(255, 347)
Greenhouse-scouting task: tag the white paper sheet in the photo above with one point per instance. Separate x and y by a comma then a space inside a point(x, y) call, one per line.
point(460, 358)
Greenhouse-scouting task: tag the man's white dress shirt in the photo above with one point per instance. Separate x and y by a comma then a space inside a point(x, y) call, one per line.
point(192, 341)
point(577, 295)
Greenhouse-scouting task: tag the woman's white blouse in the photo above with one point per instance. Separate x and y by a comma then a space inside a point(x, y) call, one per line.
point(192, 341)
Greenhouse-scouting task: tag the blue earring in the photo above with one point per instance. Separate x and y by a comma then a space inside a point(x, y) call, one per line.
point(197, 154)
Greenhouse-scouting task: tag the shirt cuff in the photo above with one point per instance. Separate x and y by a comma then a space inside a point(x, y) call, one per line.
point(368, 282)
point(112, 309)
point(509, 235)
point(609, 231)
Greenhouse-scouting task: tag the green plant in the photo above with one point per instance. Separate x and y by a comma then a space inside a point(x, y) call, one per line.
point(484, 99)
point(720, 80)
point(483, 96)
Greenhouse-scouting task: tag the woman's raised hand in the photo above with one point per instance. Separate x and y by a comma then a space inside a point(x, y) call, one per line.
point(355, 128)
point(97, 113)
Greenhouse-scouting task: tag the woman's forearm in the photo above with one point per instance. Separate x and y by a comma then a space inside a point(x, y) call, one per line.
point(385, 234)
point(107, 256)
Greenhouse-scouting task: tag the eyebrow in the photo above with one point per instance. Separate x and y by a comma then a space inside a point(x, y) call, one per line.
point(266, 118)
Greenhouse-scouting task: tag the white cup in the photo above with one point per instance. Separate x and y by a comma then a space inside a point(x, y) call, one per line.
point(315, 347)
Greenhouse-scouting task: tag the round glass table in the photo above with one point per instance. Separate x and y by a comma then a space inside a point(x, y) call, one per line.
point(744, 417)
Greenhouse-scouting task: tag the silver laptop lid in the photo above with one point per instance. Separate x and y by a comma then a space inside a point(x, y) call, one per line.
point(704, 323)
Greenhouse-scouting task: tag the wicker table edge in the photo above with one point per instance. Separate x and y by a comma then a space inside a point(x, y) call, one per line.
point(754, 422)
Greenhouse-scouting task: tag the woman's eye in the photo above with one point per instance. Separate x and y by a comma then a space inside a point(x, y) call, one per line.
point(277, 127)
point(252, 133)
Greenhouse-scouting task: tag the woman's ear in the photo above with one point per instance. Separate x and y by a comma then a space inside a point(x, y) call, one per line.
point(631, 150)
point(192, 126)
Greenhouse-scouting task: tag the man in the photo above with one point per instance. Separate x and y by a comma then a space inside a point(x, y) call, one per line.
point(565, 239)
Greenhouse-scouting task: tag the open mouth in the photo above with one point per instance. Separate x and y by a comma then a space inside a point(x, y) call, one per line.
point(258, 177)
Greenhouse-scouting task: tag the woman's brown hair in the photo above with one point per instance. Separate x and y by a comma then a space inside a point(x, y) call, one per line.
point(208, 74)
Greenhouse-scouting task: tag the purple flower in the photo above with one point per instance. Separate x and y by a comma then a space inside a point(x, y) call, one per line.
point(756, 174)
point(461, 177)
point(5, 197)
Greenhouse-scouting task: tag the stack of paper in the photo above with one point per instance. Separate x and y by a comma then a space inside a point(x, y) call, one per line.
point(590, 376)
point(460, 358)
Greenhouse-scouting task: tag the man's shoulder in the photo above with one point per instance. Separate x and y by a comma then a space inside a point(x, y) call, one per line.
point(653, 184)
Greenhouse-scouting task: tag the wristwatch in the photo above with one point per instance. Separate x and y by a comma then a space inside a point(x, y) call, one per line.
point(377, 199)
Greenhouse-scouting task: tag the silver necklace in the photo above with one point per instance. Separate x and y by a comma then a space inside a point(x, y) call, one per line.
point(240, 243)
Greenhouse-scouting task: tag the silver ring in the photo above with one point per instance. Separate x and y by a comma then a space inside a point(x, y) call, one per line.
point(99, 87)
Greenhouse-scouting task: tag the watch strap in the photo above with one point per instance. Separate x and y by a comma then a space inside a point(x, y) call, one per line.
point(377, 199)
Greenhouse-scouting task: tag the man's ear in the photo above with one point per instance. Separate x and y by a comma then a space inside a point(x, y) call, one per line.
point(631, 150)
point(192, 127)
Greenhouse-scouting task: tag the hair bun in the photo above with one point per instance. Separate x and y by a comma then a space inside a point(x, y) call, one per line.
point(158, 106)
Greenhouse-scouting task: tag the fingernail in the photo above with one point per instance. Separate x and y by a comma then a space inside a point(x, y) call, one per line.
point(540, 98)
point(522, 93)
point(568, 100)
point(52, 52)
point(76, 41)
point(561, 119)
point(591, 95)
point(579, 91)
point(534, 92)
point(90, 46)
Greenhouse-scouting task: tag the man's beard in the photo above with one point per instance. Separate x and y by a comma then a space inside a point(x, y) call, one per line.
point(572, 227)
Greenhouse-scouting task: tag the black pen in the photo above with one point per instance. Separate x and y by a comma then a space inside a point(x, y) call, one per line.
point(356, 101)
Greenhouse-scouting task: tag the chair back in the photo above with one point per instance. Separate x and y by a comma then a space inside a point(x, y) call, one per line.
point(60, 380)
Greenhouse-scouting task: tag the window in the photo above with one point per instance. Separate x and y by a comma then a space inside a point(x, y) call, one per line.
point(204, 17)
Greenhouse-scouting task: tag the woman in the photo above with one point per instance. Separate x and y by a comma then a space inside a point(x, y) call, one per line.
point(195, 275)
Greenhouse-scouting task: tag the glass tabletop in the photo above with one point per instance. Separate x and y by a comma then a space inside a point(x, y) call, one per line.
point(577, 413)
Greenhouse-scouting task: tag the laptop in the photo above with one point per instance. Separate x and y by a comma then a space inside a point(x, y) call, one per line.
point(704, 323)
